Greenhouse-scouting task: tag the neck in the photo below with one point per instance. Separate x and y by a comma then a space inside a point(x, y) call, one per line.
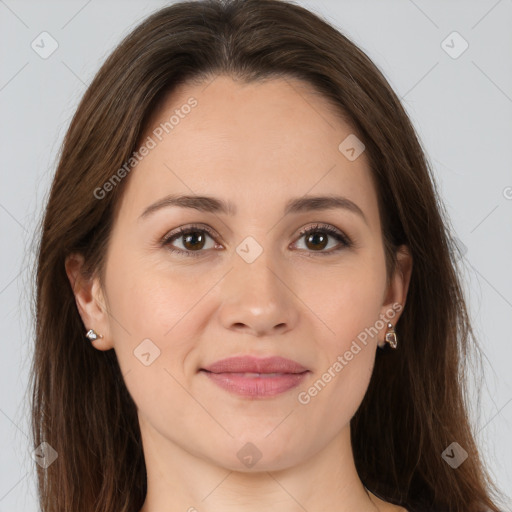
point(182, 481)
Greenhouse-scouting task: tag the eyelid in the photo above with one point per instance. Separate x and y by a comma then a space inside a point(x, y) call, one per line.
point(185, 229)
point(328, 228)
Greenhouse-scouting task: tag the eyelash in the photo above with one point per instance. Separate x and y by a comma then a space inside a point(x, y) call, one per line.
point(321, 228)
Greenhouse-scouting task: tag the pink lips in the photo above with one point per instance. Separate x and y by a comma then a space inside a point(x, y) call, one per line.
point(256, 377)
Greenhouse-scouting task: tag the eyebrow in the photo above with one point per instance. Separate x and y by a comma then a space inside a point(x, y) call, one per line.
point(210, 204)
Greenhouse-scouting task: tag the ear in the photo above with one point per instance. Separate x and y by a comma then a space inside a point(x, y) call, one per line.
point(90, 301)
point(396, 293)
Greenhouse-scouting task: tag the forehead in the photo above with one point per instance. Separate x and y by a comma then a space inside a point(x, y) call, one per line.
point(258, 143)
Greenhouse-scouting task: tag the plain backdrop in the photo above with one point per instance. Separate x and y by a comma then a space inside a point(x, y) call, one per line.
point(459, 99)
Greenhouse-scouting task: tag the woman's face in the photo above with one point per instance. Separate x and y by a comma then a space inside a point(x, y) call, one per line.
point(245, 282)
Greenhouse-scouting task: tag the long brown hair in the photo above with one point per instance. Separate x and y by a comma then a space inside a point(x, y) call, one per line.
point(416, 403)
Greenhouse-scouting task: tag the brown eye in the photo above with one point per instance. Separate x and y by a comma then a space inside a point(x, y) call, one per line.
point(192, 239)
point(317, 238)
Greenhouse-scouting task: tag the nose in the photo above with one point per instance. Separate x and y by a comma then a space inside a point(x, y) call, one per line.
point(258, 299)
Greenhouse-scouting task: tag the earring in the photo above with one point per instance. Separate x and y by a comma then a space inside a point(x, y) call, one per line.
point(391, 336)
point(92, 335)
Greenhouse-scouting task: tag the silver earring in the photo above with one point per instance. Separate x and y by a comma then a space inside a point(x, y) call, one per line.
point(92, 335)
point(391, 336)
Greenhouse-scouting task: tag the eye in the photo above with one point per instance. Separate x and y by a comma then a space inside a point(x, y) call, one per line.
point(317, 237)
point(192, 238)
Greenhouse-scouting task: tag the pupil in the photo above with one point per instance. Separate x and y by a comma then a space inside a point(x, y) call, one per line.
point(315, 236)
point(190, 236)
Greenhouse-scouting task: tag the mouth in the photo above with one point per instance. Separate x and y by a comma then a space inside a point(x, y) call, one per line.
point(255, 377)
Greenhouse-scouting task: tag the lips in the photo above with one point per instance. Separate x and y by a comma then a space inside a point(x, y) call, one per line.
point(248, 364)
point(252, 377)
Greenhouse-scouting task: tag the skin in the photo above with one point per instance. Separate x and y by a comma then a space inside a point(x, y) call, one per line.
point(257, 145)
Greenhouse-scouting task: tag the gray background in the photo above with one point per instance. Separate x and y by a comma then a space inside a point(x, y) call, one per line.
point(461, 108)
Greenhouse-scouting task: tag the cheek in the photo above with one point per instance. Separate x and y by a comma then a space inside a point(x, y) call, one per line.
point(348, 302)
point(144, 297)
point(345, 369)
point(152, 339)
point(350, 308)
point(147, 316)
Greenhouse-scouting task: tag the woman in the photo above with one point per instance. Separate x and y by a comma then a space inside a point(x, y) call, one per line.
point(246, 290)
